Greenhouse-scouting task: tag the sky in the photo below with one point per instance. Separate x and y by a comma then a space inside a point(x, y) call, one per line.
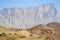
point(28, 3)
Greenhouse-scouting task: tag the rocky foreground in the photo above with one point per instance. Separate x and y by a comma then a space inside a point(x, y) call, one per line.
point(6, 34)
point(50, 31)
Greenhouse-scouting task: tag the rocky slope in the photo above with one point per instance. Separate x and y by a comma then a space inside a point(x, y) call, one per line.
point(6, 34)
point(24, 18)
point(44, 30)
point(55, 26)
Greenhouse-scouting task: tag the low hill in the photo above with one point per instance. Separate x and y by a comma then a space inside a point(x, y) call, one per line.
point(54, 25)
point(7, 34)
point(44, 30)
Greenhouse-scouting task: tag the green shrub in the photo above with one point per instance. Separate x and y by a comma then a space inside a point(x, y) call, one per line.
point(31, 34)
point(2, 34)
point(22, 37)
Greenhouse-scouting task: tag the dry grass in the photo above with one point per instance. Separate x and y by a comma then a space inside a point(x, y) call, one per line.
point(40, 32)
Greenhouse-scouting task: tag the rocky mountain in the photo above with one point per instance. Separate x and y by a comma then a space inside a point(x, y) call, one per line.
point(57, 18)
point(25, 18)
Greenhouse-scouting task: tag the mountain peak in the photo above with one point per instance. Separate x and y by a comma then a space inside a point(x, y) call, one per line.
point(24, 18)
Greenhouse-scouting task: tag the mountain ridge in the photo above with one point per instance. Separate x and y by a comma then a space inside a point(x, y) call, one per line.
point(27, 18)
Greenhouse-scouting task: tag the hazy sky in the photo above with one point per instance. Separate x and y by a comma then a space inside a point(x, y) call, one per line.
point(27, 3)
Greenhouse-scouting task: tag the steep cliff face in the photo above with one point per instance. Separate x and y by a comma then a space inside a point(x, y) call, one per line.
point(23, 18)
